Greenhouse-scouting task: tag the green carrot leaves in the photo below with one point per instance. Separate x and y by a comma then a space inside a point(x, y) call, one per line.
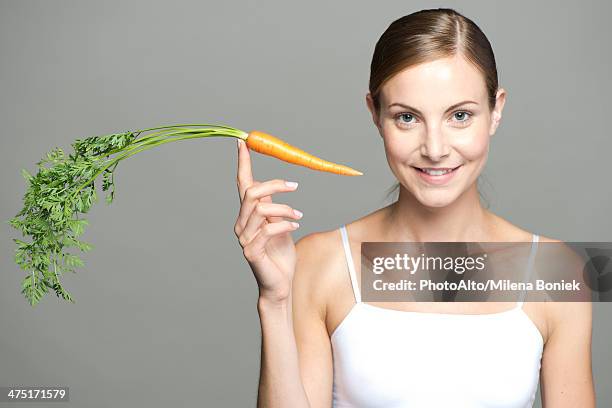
point(64, 187)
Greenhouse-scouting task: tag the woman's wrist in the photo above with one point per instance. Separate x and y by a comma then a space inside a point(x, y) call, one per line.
point(265, 303)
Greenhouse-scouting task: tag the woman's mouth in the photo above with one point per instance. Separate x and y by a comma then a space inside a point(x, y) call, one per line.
point(437, 175)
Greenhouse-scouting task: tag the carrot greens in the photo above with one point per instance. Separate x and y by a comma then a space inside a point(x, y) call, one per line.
point(65, 187)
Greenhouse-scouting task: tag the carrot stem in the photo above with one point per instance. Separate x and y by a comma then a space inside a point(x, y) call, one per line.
point(162, 138)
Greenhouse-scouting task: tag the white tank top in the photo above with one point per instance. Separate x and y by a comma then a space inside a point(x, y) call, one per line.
point(393, 358)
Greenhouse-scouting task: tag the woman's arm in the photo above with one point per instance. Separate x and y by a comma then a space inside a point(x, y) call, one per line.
point(296, 361)
point(566, 375)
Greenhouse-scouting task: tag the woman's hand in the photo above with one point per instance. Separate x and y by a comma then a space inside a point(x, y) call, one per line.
point(263, 233)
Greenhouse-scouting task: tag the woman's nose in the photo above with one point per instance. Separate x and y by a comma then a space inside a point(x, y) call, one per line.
point(434, 144)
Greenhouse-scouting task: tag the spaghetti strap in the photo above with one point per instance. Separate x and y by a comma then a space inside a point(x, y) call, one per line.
point(530, 260)
point(349, 261)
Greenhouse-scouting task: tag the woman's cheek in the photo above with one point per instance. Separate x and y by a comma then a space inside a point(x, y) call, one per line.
point(473, 145)
point(398, 144)
point(396, 150)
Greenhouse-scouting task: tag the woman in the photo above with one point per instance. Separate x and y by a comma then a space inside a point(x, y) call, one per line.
point(435, 100)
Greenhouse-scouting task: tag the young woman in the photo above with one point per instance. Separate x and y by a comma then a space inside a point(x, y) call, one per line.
point(435, 100)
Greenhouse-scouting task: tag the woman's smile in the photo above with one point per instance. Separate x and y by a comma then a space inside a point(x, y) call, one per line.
point(437, 175)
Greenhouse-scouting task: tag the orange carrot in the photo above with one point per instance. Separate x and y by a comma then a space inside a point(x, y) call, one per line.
point(272, 146)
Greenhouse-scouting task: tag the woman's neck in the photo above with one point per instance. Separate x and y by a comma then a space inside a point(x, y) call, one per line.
point(463, 220)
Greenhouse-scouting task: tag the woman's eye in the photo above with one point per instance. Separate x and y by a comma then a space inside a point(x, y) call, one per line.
point(462, 116)
point(405, 118)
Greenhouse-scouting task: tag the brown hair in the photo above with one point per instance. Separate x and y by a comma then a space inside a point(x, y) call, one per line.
point(427, 35)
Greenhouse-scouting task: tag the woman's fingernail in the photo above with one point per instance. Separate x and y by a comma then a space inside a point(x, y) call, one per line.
point(291, 184)
point(298, 213)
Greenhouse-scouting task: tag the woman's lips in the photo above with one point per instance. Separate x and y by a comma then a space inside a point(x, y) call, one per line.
point(437, 180)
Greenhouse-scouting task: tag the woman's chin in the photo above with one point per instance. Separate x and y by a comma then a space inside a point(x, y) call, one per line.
point(436, 199)
point(432, 196)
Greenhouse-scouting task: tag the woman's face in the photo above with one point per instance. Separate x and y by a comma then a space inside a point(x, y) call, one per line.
point(435, 115)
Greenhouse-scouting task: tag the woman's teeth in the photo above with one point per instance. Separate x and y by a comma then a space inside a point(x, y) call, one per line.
point(432, 172)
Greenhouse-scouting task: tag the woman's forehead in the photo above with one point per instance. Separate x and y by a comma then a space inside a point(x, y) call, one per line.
point(442, 82)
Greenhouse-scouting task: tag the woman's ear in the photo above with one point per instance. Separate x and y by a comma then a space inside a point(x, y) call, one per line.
point(372, 109)
point(496, 115)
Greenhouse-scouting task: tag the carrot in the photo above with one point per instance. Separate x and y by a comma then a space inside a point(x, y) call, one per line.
point(272, 146)
point(65, 188)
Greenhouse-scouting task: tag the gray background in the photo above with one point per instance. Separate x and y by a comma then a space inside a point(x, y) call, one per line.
point(166, 304)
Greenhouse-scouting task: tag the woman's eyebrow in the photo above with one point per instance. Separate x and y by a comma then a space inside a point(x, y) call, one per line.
point(417, 111)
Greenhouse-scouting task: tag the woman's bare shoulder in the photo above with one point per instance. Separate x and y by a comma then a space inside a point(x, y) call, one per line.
point(324, 249)
point(317, 246)
point(319, 260)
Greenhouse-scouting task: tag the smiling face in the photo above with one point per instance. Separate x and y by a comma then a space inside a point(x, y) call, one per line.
point(436, 115)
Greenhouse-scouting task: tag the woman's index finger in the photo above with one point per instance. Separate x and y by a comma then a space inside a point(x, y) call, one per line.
point(245, 175)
